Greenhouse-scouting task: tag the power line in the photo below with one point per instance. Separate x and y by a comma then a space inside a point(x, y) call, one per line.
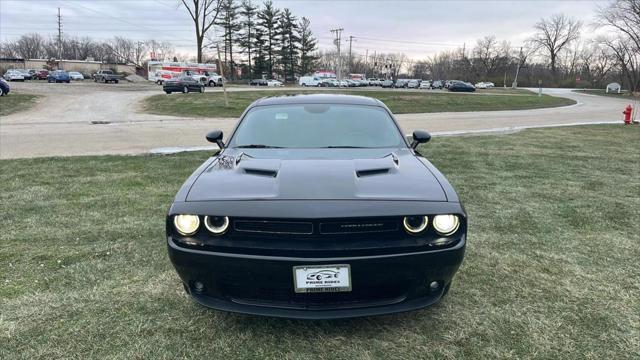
point(409, 42)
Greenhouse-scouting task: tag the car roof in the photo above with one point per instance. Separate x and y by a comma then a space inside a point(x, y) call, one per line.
point(317, 99)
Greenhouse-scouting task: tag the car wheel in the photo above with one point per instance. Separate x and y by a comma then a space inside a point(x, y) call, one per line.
point(116, 81)
point(185, 90)
point(68, 81)
point(95, 80)
point(304, 85)
point(168, 92)
point(1, 92)
point(212, 83)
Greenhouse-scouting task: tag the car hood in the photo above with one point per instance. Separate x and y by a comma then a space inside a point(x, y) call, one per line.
point(316, 174)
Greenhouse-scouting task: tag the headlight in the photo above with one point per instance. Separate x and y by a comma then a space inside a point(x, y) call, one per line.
point(446, 224)
point(216, 224)
point(186, 224)
point(415, 224)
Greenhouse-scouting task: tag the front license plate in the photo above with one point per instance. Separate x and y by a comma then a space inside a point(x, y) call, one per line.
point(322, 278)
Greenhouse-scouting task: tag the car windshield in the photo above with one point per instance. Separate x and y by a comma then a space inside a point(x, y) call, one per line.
point(317, 126)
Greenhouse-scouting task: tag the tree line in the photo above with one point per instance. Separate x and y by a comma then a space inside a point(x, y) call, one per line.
point(116, 50)
point(260, 40)
point(557, 55)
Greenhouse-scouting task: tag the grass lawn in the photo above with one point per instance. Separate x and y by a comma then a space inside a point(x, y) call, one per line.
point(13, 102)
point(551, 269)
point(602, 92)
point(211, 104)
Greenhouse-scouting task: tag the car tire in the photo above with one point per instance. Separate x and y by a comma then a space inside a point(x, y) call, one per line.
point(68, 81)
point(201, 89)
point(304, 85)
point(168, 92)
point(212, 83)
point(1, 92)
point(116, 81)
point(185, 90)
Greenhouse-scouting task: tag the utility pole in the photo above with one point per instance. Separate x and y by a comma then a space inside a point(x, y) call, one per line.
point(224, 86)
point(59, 40)
point(338, 33)
point(350, 61)
point(515, 80)
point(366, 63)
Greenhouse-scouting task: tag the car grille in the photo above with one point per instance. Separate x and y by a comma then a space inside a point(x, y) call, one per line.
point(321, 227)
point(273, 227)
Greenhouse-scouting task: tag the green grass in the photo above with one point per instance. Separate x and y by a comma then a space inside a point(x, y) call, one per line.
point(551, 269)
point(12, 103)
point(624, 95)
point(399, 101)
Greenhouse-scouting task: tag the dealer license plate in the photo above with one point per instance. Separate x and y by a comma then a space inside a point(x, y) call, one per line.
point(322, 278)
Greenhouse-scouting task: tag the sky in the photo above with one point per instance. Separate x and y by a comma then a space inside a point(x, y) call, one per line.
point(418, 28)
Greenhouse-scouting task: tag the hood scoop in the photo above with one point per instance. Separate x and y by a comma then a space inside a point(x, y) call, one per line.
point(261, 172)
point(372, 172)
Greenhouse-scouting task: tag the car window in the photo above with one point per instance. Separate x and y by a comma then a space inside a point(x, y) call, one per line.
point(318, 126)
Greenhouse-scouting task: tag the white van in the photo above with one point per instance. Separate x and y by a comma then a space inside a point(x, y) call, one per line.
point(309, 81)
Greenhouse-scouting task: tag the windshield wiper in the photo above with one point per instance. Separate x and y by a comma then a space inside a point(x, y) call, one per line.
point(258, 146)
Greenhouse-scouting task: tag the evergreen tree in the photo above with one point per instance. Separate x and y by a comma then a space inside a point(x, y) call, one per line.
point(231, 25)
point(308, 47)
point(290, 42)
point(259, 51)
point(268, 23)
point(248, 13)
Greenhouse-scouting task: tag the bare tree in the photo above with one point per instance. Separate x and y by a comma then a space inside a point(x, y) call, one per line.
point(554, 34)
point(30, 46)
point(624, 17)
point(487, 52)
point(204, 14)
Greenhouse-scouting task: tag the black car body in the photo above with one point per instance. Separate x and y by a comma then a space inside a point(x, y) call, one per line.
point(460, 86)
point(316, 208)
point(183, 83)
point(4, 87)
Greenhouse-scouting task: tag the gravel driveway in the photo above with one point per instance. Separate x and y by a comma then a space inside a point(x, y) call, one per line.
point(62, 123)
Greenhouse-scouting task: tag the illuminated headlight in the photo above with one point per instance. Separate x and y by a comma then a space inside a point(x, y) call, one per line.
point(446, 224)
point(216, 224)
point(415, 224)
point(186, 224)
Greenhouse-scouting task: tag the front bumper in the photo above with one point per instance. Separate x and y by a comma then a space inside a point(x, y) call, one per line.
point(263, 285)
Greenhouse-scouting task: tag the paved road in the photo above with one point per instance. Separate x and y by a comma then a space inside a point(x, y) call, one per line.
point(61, 123)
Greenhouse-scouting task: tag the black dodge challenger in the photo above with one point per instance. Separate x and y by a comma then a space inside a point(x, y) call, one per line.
point(317, 207)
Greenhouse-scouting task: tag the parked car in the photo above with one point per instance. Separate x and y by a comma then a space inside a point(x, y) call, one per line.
point(387, 83)
point(4, 87)
point(106, 76)
point(309, 81)
point(373, 82)
point(351, 83)
point(401, 83)
point(461, 86)
point(259, 82)
point(425, 84)
point(276, 83)
point(25, 73)
point(413, 84)
point(13, 75)
point(184, 84)
point(58, 76)
point(329, 83)
point(41, 74)
point(74, 75)
point(375, 207)
point(489, 84)
point(437, 84)
point(213, 79)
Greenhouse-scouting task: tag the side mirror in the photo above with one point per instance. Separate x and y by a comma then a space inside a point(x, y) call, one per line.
point(215, 136)
point(420, 137)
